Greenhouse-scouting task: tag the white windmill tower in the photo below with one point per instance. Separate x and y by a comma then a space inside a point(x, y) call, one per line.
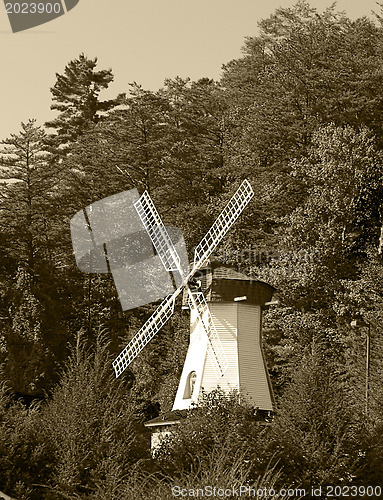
point(234, 306)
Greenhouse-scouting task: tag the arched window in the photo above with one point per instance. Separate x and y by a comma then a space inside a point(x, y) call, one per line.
point(190, 383)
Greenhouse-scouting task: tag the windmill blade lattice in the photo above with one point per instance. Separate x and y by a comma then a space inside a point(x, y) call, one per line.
point(156, 321)
point(171, 262)
point(197, 302)
point(222, 224)
point(157, 233)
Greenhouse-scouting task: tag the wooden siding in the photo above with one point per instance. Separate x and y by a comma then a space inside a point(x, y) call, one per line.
point(225, 321)
point(253, 377)
point(239, 328)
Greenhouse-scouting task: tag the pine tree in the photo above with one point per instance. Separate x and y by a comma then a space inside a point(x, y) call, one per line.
point(25, 191)
point(340, 215)
point(32, 331)
point(314, 435)
point(76, 98)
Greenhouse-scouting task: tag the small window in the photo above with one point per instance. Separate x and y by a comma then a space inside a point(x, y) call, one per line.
point(190, 383)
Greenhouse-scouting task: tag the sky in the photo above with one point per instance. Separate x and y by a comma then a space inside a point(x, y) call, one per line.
point(144, 41)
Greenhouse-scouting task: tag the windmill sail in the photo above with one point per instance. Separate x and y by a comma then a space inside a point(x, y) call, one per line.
point(222, 224)
point(171, 262)
point(156, 321)
point(157, 232)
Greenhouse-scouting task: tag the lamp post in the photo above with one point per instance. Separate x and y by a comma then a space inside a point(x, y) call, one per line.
point(357, 323)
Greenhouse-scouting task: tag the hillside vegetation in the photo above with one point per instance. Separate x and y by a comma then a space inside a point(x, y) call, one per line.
point(300, 115)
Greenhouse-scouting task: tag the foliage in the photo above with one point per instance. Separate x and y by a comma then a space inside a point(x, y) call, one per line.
point(305, 69)
point(314, 435)
point(89, 425)
point(21, 443)
point(300, 115)
point(218, 430)
point(216, 476)
point(76, 97)
point(30, 327)
point(28, 180)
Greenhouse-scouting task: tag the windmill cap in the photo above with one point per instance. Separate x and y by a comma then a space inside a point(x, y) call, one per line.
point(221, 283)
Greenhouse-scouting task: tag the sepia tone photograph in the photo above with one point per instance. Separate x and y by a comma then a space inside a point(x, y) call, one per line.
point(191, 249)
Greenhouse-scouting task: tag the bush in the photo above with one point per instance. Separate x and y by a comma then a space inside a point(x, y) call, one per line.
point(90, 425)
point(24, 456)
point(216, 432)
point(314, 435)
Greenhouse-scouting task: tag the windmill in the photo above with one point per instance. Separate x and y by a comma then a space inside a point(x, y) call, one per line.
point(235, 303)
point(171, 262)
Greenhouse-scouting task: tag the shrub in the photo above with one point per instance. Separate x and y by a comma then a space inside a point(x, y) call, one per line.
point(24, 456)
point(90, 426)
point(314, 435)
point(217, 431)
